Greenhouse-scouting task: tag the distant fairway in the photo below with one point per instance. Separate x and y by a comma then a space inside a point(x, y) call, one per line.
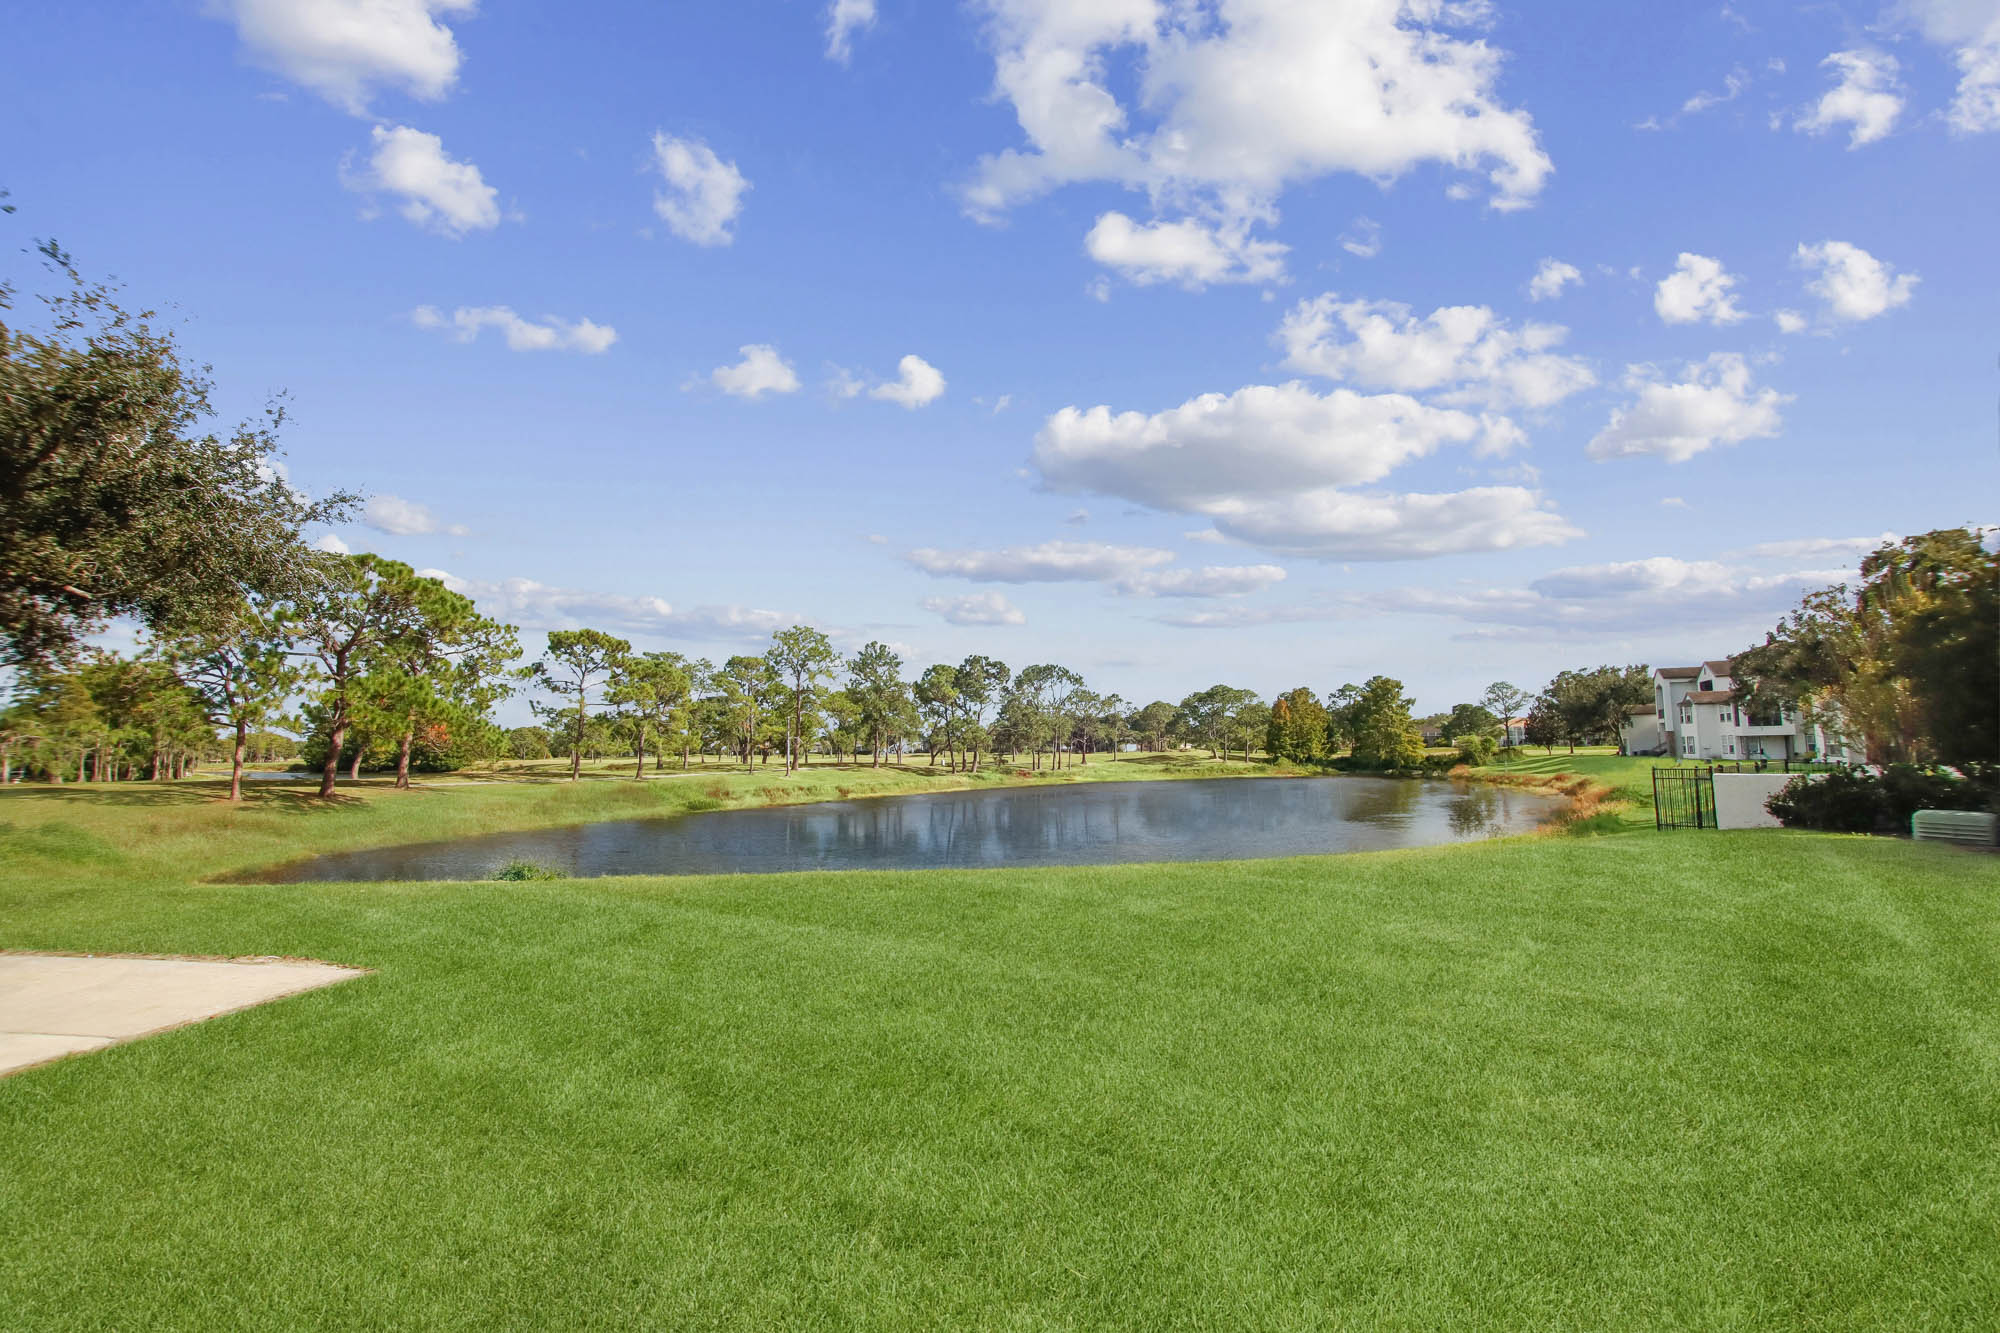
point(1636, 1081)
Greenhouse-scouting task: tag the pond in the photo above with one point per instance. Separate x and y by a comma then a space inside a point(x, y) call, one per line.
point(1099, 823)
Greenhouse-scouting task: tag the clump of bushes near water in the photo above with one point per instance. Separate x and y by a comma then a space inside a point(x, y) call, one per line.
point(1476, 749)
point(1860, 800)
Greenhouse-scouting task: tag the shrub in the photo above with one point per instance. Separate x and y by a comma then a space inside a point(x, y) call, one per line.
point(1475, 749)
point(1857, 800)
point(524, 870)
point(1908, 788)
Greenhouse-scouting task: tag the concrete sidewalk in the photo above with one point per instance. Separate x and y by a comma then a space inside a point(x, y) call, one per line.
point(52, 1005)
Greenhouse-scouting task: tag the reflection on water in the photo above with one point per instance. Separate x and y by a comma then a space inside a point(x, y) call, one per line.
point(1086, 824)
point(1473, 812)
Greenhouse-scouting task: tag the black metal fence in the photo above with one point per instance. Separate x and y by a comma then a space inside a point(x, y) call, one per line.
point(1684, 797)
point(1778, 766)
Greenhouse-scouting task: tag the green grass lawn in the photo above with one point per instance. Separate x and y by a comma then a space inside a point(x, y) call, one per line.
point(1689, 1080)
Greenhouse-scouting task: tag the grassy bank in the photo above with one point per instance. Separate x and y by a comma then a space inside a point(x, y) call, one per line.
point(1707, 1080)
point(1612, 792)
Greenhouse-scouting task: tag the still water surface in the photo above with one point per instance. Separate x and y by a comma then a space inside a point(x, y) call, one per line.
point(1209, 819)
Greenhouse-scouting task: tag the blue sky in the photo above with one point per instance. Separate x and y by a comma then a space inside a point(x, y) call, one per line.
point(1260, 342)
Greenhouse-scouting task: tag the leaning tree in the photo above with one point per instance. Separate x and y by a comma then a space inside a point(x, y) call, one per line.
point(114, 498)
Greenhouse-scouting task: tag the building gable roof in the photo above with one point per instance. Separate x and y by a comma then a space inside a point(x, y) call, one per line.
point(1678, 673)
point(1717, 668)
point(1710, 696)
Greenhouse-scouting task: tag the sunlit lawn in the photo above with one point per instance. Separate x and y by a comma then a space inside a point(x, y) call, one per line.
point(1637, 1081)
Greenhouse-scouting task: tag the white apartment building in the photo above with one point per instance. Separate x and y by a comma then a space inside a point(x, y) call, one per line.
point(1695, 716)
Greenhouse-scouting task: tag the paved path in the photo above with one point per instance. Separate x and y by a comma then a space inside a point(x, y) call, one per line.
point(54, 1005)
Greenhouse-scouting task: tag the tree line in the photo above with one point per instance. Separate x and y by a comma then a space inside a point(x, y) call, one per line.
point(370, 663)
point(366, 654)
point(802, 698)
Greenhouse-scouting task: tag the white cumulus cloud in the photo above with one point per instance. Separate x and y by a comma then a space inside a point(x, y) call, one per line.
point(918, 382)
point(1468, 353)
point(703, 194)
point(1866, 97)
point(437, 192)
point(522, 335)
point(1330, 524)
point(344, 49)
point(1277, 466)
point(1713, 403)
point(978, 608)
point(1550, 278)
point(405, 518)
point(1657, 574)
point(1261, 440)
point(844, 18)
point(1227, 106)
point(1970, 31)
point(761, 371)
point(332, 545)
point(1189, 252)
point(1232, 111)
point(1698, 289)
point(1852, 284)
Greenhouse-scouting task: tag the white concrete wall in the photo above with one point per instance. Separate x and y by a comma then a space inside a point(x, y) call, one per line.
point(1641, 734)
point(1740, 797)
